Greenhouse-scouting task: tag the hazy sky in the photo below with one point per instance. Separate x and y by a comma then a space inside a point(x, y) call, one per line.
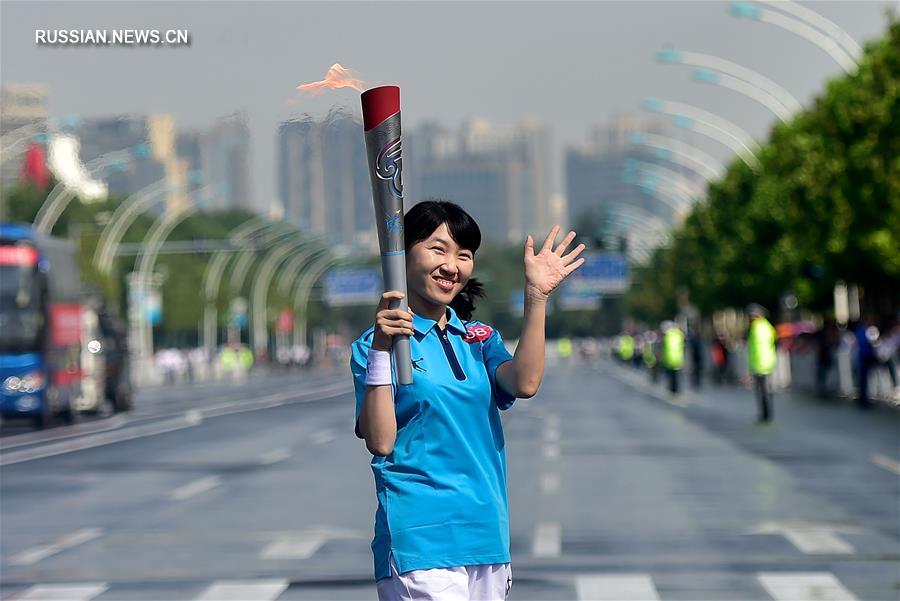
point(567, 64)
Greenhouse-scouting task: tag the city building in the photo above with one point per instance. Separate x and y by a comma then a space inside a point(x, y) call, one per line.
point(323, 179)
point(23, 113)
point(501, 175)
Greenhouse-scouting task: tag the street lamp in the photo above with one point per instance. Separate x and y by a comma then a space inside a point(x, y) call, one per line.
point(212, 276)
point(680, 153)
point(807, 24)
point(260, 288)
point(59, 198)
point(718, 71)
point(146, 263)
point(723, 131)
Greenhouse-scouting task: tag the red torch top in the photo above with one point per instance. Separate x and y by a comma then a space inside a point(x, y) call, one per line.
point(378, 104)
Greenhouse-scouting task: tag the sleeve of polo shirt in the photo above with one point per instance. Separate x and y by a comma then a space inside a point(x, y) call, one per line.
point(359, 355)
point(495, 354)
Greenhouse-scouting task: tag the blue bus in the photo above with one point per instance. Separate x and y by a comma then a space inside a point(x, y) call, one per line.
point(41, 304)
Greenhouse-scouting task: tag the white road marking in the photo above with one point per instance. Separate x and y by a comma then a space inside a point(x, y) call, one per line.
point(274, 456)
point(551, 435)
point(547, 540)
point(551, 451)
point(184, 420)
point(553, 421)
point(63, 592)
point(36, 554)
point(295, 548)
point(790, 586)
point(244, 590)
point(616, 587)
point(885, 462)
point(195, 488)
point(549, 484)
point(813, 538)
point(322, 436)
point(818, 542)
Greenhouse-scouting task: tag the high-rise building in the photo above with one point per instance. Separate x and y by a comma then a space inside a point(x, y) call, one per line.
point(226, 164)
point(323, 179)
point(595, 179)
point(137, 151)
point(501, 175)
point(23, 113)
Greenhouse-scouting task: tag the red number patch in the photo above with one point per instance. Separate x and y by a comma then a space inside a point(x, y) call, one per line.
point(477, 334)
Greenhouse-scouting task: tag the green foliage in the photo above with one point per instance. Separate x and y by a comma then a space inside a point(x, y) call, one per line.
point(824, 206)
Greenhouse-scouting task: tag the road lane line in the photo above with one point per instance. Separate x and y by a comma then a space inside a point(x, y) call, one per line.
point(547, 540)
point(551, 435)
point(322, 436)
point(186, 420)
point(885, 462)
point(549, 484)
point(616, 587)
point(551, 451)
point(818, 542)
point(790, 586)
point(36, 554)
point(63, 592)
point(295, 548)
point(194, 488)
point(244, 590)
point(274, 456)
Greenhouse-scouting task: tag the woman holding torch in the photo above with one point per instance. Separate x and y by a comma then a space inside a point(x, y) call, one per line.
point(442, 522)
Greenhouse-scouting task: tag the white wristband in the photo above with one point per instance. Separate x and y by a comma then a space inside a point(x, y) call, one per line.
point(378, 368)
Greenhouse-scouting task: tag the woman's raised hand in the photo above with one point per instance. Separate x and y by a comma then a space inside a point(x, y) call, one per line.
point(547, 269)
point(390, 322)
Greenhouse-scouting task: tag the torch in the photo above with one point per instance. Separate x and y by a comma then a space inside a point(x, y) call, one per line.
point(381, 120)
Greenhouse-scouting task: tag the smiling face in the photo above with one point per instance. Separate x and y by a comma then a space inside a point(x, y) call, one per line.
point(437, 269)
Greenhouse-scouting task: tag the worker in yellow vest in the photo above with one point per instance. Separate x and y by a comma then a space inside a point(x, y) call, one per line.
point(672, 354)
point(626, 347)
point(761, 357)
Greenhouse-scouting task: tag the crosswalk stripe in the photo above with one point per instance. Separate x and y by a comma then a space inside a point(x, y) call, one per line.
point(547, 540)
point(820, 542)
point(615, 587)
point(790, 586)
point(63, 592)
point(244, 590)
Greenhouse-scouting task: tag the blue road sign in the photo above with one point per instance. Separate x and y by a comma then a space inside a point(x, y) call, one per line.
point(605, 273)
point(353, 287)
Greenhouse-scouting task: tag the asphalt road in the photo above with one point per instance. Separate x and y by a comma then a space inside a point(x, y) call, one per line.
point(258, 490)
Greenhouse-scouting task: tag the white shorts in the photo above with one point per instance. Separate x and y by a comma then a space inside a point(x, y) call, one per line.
point(489, 582)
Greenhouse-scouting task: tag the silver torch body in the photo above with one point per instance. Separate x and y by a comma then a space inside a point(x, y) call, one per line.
point(381, 120)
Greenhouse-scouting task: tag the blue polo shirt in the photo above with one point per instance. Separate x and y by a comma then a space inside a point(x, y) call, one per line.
point(442, 491)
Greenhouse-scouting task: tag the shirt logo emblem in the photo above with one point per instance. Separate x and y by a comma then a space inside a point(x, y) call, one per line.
point(477, 334)
point(416, 362)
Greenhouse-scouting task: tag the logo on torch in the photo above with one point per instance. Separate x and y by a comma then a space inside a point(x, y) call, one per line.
point(388, 166)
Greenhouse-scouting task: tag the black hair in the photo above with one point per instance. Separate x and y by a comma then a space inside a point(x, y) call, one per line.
point(424, 218)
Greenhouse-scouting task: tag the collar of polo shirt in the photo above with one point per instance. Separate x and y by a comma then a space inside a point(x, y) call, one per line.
point(423, 325)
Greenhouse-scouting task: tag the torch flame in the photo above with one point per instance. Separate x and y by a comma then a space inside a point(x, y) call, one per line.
point(337, 77)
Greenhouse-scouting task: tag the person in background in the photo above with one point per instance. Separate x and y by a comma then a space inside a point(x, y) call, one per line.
point(761, 358)
point(826, 343)
point(719, 353)
point(672, 355)
point(626, 347)
point(650, 355)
